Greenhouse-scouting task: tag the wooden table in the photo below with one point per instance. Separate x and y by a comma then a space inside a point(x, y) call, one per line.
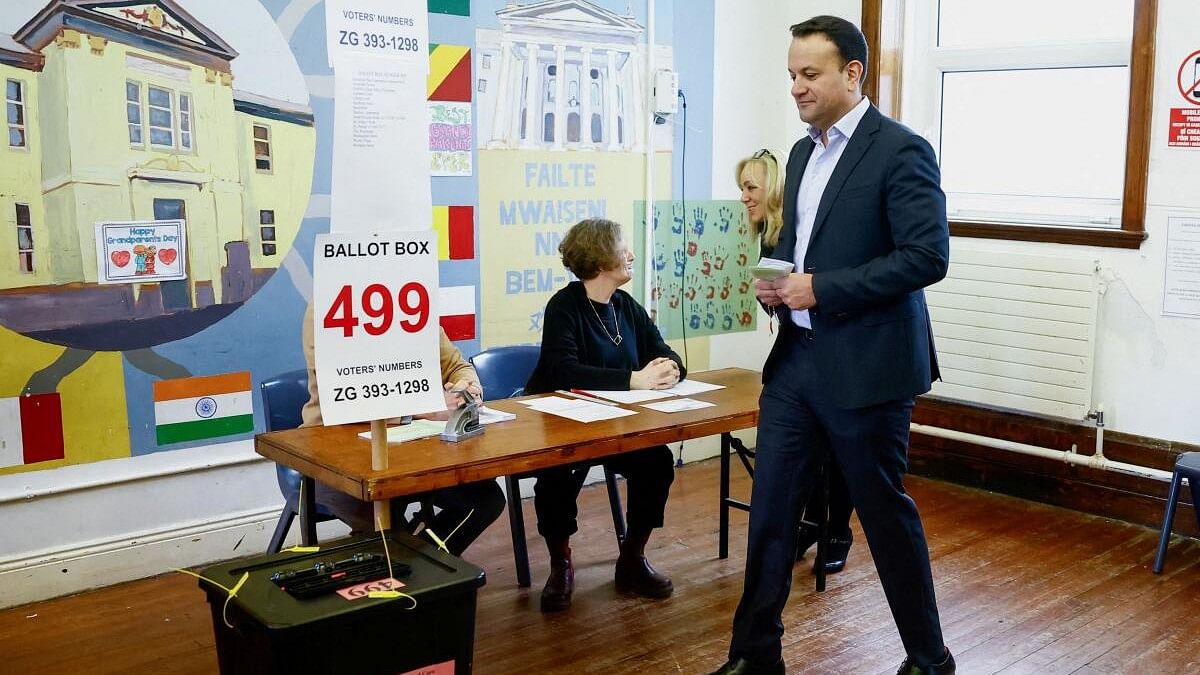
point(336, 456)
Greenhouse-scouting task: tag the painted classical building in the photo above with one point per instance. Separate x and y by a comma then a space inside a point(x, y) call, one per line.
point(124, 110)
point(564, 74)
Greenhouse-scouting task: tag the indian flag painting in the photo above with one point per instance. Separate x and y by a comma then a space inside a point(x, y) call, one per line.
point(195, 408)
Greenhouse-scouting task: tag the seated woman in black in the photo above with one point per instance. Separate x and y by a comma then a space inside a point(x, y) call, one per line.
point(598, 337)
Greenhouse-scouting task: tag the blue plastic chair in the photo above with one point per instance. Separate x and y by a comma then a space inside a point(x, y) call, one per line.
point(1187, 466)
point(503, 372)
point(283, 396)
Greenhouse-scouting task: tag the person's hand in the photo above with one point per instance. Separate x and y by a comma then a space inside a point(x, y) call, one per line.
point(767, 292)
point(796, 291)
point(454, 398)
point(660, 373)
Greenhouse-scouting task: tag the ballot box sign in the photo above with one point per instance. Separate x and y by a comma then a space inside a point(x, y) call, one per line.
point(375, 325)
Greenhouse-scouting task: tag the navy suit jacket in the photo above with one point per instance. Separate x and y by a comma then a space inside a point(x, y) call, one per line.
point(879, 238)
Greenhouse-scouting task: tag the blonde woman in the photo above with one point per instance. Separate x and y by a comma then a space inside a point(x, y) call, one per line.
point(761, 183)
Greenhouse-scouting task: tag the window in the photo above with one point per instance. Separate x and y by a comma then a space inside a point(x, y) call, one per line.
point(161, 111)
point(133, 111)
point(262, 148)
point(166, 117)
point(1041, 127)
point(24, 239)
point(185, 122)
point(266, 221)
point(14, 98)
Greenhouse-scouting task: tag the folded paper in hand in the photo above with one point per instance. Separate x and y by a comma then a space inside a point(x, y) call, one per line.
point(770, 269)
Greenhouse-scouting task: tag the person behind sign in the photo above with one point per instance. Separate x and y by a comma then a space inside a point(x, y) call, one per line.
point(483, 501)
point(761, 183)
point(596, 336)
point(865, 224)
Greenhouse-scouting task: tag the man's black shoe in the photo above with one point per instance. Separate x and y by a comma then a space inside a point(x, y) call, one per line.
point(740, 666)
point(946, 667)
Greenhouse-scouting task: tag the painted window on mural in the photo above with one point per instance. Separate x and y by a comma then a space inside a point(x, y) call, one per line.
point(14, 98)
point(24, 239)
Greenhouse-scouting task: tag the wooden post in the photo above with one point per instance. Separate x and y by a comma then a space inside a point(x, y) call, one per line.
point(379, 461)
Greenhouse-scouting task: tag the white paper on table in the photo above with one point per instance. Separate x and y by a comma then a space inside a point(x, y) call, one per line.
point(689, 387)
point(631, 396)
point(678, 405)
point(578, 409)
point(545, 401)
point(411, 431)
point(380, 147)
point(491, 415)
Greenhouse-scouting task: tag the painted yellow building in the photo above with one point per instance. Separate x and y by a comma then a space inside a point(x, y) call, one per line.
point(130, 113)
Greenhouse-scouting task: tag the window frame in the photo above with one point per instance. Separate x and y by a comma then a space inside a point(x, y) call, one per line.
point(141, 108)
point(881, 25)
point(271, 242)
point(255, 140)
point(22, 252)
point(178, 115)
point(23, 104)
point(150, 126)
point(190, 116)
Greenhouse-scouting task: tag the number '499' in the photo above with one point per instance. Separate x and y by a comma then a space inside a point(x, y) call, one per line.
point(379, 307)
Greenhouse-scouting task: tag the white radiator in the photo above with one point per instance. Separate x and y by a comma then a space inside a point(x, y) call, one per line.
point(1017, 331)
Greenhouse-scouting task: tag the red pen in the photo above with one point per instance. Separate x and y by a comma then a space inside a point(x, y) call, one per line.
point(584, 396)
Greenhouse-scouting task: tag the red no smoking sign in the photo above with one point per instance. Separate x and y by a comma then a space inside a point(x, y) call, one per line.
point(1184, 130)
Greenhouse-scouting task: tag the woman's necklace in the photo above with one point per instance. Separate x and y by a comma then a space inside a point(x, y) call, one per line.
point(615, 340)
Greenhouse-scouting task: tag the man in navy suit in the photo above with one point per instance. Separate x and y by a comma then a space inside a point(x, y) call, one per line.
point(865, 224)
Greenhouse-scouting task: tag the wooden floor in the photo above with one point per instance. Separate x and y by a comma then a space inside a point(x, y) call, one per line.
point(1023, 588)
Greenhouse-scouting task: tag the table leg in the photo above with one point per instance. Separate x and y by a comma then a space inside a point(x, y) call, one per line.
point(723, 541)
point(516, 524)
point(308, 511)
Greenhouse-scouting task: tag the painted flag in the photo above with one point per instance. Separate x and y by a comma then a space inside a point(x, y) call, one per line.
point(195, 408)
point(449, 73)
point(30, 429)
point(456, 7)
point(455, 226)
point(458, 311)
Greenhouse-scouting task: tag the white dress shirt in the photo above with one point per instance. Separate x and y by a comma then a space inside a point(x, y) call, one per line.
point(820, 167)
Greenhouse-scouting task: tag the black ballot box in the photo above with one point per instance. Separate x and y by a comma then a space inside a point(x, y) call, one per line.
point(274, 632)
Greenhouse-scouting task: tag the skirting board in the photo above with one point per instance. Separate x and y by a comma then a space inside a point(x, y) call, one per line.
point(1101, 493)
point(102, 564)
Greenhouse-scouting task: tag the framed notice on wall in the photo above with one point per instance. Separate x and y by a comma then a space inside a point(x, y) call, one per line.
point(139, 252)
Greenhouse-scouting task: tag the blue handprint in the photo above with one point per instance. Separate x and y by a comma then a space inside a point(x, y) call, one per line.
point(680, 262)
point(710, 318)
point(724, 218)
point(660, 262)
point(699, 216)
point(726, 316)
point(676, 219)
point(694, 322)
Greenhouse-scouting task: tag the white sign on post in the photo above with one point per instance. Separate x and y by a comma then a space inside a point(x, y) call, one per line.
point(394, 29)
point(376, 332)
point(379, 52)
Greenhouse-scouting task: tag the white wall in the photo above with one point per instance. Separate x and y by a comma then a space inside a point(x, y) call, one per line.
point(1147, 369)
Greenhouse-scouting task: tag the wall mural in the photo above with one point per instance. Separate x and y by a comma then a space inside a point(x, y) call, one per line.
point(703, 252)
point(562, 136)
point(167, 166)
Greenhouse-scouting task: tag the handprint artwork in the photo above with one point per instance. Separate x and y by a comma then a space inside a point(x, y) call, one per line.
point(703, 284)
